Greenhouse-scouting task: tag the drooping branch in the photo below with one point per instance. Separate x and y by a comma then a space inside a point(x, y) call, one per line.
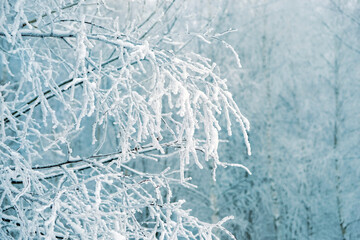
point(63, 86)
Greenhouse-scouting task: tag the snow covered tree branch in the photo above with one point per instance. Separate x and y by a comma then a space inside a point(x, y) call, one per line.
point(89, 88)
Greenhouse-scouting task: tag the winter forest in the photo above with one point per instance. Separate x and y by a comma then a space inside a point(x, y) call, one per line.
point(170, 119)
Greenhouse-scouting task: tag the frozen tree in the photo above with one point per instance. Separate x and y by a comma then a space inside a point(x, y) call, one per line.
point(90, 88)
point(341, 77)
point(289, 50)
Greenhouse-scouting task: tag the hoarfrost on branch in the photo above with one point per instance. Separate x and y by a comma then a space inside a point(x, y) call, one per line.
point(90, 88)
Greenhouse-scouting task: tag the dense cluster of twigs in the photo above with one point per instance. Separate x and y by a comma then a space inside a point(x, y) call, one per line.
point(86, 93)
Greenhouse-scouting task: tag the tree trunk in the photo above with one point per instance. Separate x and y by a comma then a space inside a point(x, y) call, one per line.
point(266, 45)
point(336, 138)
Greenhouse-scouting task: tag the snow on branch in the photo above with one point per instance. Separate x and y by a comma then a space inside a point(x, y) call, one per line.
point(83, 100)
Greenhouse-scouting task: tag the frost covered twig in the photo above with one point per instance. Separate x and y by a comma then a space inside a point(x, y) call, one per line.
point(92, 96)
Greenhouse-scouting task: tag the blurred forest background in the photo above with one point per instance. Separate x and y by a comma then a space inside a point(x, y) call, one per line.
point(300, 89)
